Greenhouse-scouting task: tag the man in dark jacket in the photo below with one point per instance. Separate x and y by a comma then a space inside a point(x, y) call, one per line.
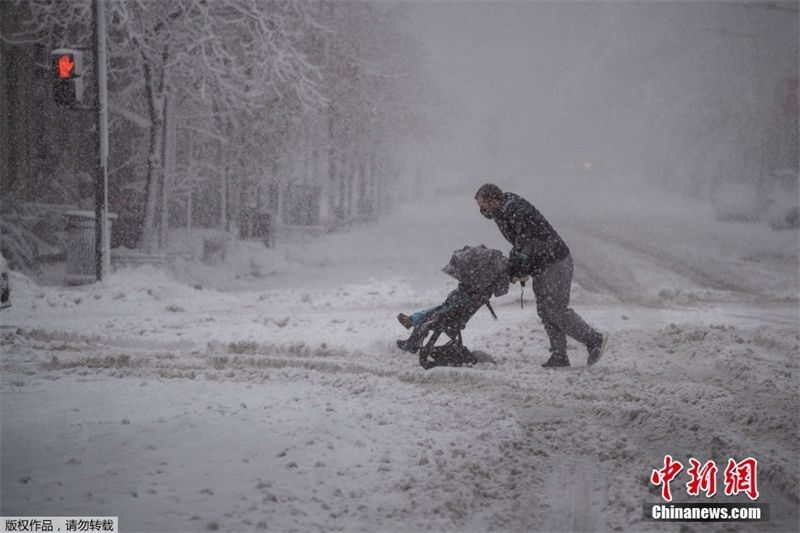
point(539, 252)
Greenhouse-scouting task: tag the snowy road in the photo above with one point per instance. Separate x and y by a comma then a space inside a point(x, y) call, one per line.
point(283, 405)
point(649, 246)
point(673, 266)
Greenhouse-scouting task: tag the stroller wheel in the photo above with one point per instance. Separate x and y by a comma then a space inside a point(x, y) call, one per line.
point(426, 363)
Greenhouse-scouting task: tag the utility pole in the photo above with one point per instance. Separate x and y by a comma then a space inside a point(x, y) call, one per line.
point(102, 237)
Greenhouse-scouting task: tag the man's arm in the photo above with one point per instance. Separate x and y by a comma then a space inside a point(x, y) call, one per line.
point(526, 246)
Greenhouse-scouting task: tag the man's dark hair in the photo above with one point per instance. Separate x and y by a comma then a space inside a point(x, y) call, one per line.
point(489, 191)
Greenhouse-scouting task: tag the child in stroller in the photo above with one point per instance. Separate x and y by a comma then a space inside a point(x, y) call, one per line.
point(481, 273)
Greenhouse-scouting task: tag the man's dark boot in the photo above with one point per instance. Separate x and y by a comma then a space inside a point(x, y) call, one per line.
point(556, 361)
point(596, 348)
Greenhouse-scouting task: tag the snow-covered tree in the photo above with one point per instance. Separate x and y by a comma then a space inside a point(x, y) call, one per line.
point(373, 85)
point(220, 109)
point(226, 60)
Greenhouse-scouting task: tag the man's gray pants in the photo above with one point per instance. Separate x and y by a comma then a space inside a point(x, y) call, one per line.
point(552, 288)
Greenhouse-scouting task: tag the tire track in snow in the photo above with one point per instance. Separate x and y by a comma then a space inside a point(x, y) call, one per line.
point(32, 351)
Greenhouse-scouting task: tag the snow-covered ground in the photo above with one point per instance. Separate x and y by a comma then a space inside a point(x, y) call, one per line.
point(266, 393)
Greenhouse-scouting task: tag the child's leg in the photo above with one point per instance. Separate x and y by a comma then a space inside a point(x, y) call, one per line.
point(417, 318)
point(422, 316)
point(418, 334)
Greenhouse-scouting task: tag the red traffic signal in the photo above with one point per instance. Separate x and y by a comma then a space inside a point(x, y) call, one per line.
point(67, 72)
point(66, 66)
point(67, 63)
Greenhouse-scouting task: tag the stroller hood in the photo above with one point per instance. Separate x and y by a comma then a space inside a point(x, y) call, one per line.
point(480, 269)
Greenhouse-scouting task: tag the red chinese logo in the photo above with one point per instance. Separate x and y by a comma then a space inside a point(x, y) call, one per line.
point(665, 475)
point(704, 478)
point(739, 477)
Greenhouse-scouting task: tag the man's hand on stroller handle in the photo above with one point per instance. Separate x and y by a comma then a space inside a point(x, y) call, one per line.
point(521, 278)
point(517, 263)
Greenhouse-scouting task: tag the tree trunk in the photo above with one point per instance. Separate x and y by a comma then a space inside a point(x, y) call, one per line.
point(223, 217)
point(168, 160)
point(333, 185)
point(189, 209)
point(155, 106)
point(342, 184)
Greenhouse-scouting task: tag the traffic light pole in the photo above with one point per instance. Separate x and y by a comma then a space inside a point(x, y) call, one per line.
point(102, 237)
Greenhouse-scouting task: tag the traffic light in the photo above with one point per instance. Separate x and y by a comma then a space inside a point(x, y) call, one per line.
point(67, 73)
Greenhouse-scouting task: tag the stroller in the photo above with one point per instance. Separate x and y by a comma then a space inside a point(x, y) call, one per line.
point(481, 273)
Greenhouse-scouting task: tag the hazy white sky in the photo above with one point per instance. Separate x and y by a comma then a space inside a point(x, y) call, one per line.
point(545, 84)
point(521, 71)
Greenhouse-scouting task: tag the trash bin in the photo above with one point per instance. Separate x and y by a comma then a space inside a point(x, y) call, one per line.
point(81, 247)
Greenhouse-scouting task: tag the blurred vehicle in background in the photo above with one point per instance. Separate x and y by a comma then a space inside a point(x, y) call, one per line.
point(776, 200)
point(737, 202)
